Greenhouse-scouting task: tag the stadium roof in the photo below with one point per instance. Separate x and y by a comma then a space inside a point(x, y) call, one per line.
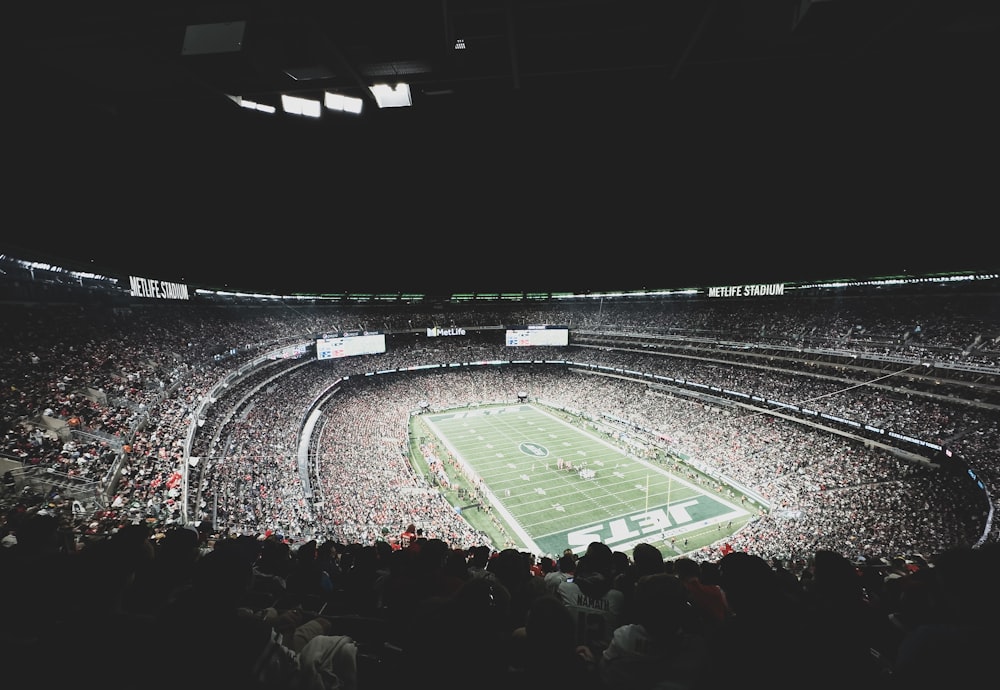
point(550, 145)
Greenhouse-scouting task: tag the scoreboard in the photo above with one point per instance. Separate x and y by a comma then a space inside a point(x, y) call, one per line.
point(334, 346)
point(537, 335)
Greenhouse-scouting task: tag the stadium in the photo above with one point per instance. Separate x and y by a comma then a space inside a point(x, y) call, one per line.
point(635, 346)
point(780, 421)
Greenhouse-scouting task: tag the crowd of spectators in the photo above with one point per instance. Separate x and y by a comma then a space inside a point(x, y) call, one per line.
point(171, 365)
point(260, 613)
point(122, 389)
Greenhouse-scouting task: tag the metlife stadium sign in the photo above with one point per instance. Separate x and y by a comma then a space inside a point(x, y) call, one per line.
point(157, 289)
point(748, 290)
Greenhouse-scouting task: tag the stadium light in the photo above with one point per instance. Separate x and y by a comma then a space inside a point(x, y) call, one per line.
point(336, 101)
point(300, 106)
point(391, 97)
point(252, 105)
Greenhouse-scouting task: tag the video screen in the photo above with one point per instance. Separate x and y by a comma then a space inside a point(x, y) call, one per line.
point(332, 347)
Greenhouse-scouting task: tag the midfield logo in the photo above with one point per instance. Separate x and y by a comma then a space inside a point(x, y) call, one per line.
point(533, 449)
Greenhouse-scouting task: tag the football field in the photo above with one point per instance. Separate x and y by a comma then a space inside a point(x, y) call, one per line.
point(557, 486)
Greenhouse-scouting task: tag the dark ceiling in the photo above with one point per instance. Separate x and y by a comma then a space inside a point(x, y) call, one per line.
point(601, 121)
point(124, 58)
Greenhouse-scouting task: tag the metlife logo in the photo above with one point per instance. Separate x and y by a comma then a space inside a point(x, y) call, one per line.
point(442, 332)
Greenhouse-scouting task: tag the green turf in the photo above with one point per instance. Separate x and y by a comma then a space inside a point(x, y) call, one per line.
point(512, 452)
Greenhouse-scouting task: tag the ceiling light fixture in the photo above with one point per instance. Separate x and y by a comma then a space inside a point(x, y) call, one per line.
point(300, 106)
point(347, 104)
point(253, 105)
point(392, 97)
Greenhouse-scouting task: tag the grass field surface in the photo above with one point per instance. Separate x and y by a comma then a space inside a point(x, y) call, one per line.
point(556, 485)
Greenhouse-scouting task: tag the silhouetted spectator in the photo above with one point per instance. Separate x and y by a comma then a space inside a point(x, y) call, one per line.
point(955, 646)
point(708, 601)
point(544, 653)
point(655, 648)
